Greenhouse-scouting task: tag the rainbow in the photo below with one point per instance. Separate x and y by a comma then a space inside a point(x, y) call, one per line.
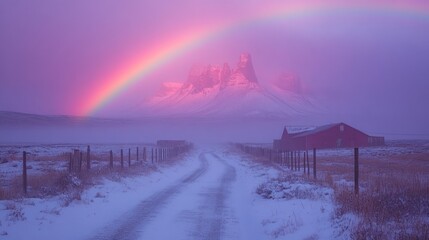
point(139, 68)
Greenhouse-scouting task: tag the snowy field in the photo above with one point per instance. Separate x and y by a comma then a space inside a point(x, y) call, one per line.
point(218, 192)
point(210, 194)
point(46, 158)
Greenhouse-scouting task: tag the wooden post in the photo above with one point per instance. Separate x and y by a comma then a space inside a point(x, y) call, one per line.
point(129, 157)
point(163, 154)
point(122, 158)
point(314, 163)
point(152, 155)
point(308, 163)
point(70, 162)
point(156, 155)
point(137, 154)
point(299, 160)
point(80, 161)
point(294, 160)
point(75, 162)
point(144, 154)
point(111, 159)
point(356, 152)
point(287, 159)
point(304, 161)
point(24, 171)
point(88, 160)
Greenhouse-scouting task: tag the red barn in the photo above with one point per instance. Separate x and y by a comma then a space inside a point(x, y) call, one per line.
point(338, 135)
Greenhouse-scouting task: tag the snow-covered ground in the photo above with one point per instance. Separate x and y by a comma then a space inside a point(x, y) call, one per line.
point(211, 194)
point(45, 158)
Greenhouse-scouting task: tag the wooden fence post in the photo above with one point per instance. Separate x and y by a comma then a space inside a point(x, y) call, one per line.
point(308, 163)
point(294, 160)
point(80, 161)
point(122, 158)
point(70, 162)
point(88, 160)
point(156, 155)
point(291, 159)
point(152, 155)
point(314, 163)
point(164, 154)
point(75, 164)
point(144, 154)
point(73, 168)
point(299, 160)
point(111, 159)
point(304, 161)
point(356, 153)
point(137, 154)
point(24, 171)
point(129, 157)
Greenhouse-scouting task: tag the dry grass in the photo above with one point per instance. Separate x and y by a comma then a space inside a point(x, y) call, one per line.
point(390, 207)
point(51, 176)
point(393, 202)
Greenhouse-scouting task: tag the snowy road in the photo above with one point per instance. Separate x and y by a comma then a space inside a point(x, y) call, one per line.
point(204, 189)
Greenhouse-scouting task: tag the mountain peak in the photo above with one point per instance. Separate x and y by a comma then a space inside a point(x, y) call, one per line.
point(218, 90)
point(203, 78)
point(244, 74)
point(245, 67)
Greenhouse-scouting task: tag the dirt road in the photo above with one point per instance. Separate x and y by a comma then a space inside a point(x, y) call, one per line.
point(193, 208)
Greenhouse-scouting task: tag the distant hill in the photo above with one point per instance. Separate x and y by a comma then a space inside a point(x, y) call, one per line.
point(8, 118)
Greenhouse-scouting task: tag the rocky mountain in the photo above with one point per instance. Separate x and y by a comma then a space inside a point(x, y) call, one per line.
point(215, 90)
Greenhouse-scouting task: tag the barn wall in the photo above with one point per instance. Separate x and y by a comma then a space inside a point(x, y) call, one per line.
point(332, 137)
point(335, 138)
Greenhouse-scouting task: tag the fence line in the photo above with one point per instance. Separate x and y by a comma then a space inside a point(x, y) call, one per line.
point(76, 159)
point(292, 159)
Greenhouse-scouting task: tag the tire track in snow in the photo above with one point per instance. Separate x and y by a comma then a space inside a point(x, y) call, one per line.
point(214, 215)
point(131, 224)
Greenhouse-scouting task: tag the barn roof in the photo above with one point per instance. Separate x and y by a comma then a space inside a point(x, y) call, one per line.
point(321, 129)
point(318, 129)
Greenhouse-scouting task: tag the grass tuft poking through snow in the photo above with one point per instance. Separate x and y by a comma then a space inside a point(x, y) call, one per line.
point(291, 187)
point(387, 209)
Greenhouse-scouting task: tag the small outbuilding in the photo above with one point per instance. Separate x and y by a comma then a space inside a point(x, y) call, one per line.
point(170, 143)
point(337, 135)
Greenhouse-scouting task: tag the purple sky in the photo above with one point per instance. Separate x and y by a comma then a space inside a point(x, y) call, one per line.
point(364, 67)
